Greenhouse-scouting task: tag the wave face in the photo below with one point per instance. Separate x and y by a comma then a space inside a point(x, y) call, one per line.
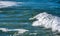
point(47, 20)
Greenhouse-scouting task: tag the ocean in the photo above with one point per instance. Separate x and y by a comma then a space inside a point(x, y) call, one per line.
point(15, 17)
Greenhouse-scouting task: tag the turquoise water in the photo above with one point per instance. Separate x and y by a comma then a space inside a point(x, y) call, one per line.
point(17, 17)
point(20, 19)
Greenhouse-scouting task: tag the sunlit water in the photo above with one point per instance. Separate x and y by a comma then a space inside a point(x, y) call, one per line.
point(17, 17)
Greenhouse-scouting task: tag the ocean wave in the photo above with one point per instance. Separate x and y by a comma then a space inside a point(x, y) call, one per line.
point(15, 32)
point(33, 5)
point(20, 31)
point(47, 20)
point(4, 4)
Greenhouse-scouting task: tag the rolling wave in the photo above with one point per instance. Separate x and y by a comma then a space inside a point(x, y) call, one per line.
point(19, 31)
point(32, 5)
point(4, 4)
point(47, 20)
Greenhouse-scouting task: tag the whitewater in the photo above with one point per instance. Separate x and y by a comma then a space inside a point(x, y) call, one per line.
point(5, 4)
point(47, 20)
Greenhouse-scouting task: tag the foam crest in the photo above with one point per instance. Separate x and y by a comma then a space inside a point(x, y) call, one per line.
point(20, 31)
point(4, 4)
point(47, 20)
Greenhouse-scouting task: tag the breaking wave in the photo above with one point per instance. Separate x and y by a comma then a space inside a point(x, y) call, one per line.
point(47, 20)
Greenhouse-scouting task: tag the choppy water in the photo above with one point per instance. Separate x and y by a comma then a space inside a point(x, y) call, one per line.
point(17, 17)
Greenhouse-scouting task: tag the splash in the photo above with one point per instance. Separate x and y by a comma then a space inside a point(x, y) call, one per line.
point(47, 20)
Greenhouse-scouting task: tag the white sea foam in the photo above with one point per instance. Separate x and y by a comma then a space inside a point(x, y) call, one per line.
point(4, 4)
point(20, 31)
point(47, 20)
